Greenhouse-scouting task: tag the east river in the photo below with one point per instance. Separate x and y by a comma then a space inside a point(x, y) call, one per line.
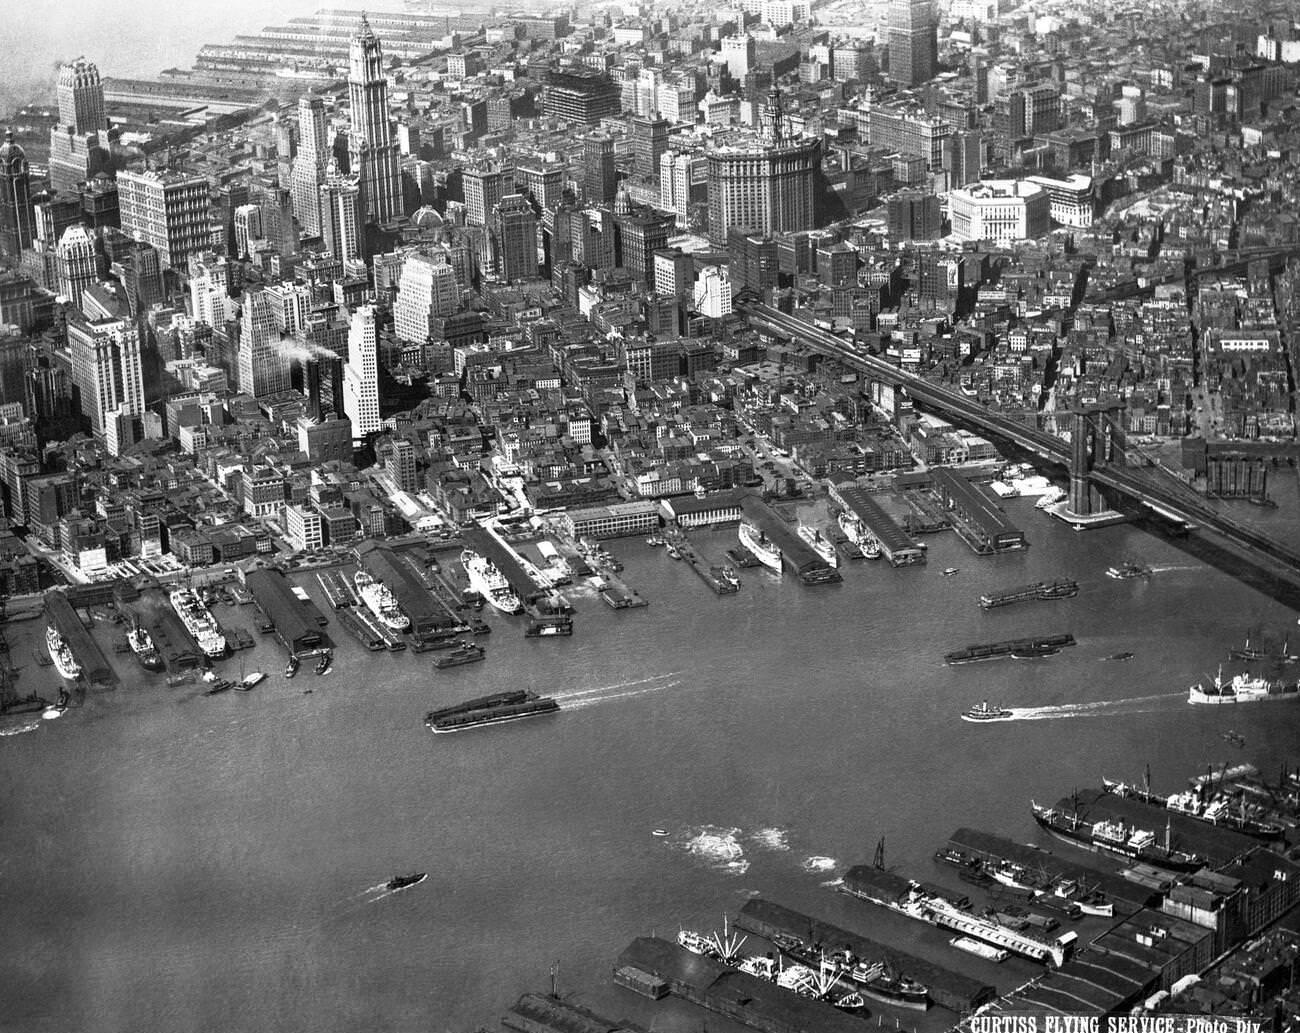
point(170, 861)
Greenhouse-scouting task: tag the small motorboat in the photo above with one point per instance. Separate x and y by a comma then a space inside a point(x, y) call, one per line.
point(1119, 656)
point(325, 664)
point(291, 668)
point(401, 882)
point(950, 571)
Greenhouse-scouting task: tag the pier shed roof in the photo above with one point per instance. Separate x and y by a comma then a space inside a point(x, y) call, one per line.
point(285, 610)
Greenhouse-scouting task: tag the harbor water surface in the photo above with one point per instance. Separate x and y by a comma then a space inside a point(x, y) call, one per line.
point(174, 861)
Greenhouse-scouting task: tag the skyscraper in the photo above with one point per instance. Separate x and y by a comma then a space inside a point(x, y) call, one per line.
point(428, 290)
point(169, 210)
point(342, 217)
point(309, 163)
point(106, 368)
point(361, 374)
point(515, 233)
point(913, 41)
point(484, 186)
point(263, 363)
point(76, 147)
point(78, 263)
point(211, 277)
point(15, 199)
point(248, 228)
point(372, 150)
point(599, 175)
point(649, 142)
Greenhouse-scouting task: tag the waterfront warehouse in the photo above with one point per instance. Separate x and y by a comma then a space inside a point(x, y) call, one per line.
point(796, 555)
point(719, 507)
point(950, 990)
point(617, 520)
point(427, 618)
point(755, 1002)
point(897, 545)
point(94, 666)
point(294, 626)
point(982, 519)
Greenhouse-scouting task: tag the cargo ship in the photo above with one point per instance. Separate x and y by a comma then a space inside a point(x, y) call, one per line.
point(1061, 588)
point(463, 653)
point(489, 582)
point(935, 909)
point(1241, 688)
point(502, 706)
point(1200, 805)
point(380, 601)
point(198, 621)
point(969, 869)
point(819, 544)
point(874, 980)
point(860, 536)
point(997, 650)
point(61, 653)
point(141, 643)
point(1115, 837)
point(763, 548)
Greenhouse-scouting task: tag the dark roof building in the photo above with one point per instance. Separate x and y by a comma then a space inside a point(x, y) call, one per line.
point(295, 626)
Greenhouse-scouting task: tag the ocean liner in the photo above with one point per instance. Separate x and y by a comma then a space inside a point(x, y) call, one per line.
point(198, 621)
point(379, 600)
point(763, 548)
point(489, 582)
point(64, 662)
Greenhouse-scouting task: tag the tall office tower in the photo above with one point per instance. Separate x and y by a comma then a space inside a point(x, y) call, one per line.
point(106, 368)
point(342, 217)
point(290, 306)
point(543, 183)
point(169, 210)
point(581, 97)
point(263, 365)
point(248, 228)
point(740, 54)
point(76, 146)
point(913, 42)
point(309, 163)
point(211, 277)
point(644, 231)
point(484, 186)
point(751, 259)
point(428, 290)
point(768, 186)
point(78, 263)
point(361, 374)
point(15, 200)
point(649, 142)
point(277, 220)
point(401, 465)
point(515, 234)
point(963, 158)
point(372, 151)
point(599, 175)
point(142, 277)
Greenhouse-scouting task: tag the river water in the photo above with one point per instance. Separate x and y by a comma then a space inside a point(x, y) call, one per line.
point(181, 862)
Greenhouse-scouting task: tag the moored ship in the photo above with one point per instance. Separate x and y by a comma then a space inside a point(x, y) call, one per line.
point(763, 548)
point(1115, 837)
point(60, 652)
point(463, 653)
point(860, 536)
point(1241, 688)
point(489, 582)
point(873, 979)
point(141, 643)
point(502, 706)
point(819, 544)
point(198, 621)
point(380, 601)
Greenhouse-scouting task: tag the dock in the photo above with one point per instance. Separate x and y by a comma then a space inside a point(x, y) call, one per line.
point(722, 579)
point(797, 556)
point(619, 596)
point(896, 545)
point(336, 588)
point(95, 667)
point(948, 989)
point(485, 544)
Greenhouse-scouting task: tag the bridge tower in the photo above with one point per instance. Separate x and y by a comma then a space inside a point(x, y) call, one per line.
point(1096, 438)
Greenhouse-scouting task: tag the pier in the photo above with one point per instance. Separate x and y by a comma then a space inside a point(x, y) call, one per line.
point(429, 620)
point(948, 989)
point(618, 595)
point(95, 667)
point(722, 580)
point(797, 556)
point(292, 621)
point(896, 545)
point(503, 558)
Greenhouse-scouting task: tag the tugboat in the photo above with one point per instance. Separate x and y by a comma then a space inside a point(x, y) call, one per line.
point(984, 712)
point(950, 571)
point(291, 668)
point(401, 882)
point(326, 663)
point(1127, 570)
point(142, 646)
point(220, 685)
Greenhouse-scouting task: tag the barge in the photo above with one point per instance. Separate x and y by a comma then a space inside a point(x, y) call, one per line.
point(1042, 645)
point(494, 709)
point(1061, 588)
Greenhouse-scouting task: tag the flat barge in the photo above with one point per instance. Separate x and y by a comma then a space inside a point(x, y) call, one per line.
point(1043, 645)
point(494, 709)
point(947, 989)
point(1061, 588)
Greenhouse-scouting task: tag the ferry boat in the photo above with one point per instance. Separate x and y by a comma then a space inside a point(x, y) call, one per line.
point(141, 643)
point(1127, 570)
point(983, 711)
point(198, 621)
point(489, 582)
point(860, 536)
point(463, 653)
point(819, 544)
point(503, 706)
point(1241, 688)
point(763, 548)
point(1115, 837)
point(380, 601)
point(61, 653)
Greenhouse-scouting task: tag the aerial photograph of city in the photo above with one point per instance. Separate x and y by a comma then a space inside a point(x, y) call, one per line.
point(650, 518)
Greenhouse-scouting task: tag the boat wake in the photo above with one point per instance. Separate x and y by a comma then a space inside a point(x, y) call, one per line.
point(818, 864)
point(718, 848)
point(1102, 708)
point(26, 726)
point(771, 838)
point(580, 698)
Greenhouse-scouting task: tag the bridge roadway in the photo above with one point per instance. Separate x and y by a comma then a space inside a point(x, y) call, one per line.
point(1126, 480)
